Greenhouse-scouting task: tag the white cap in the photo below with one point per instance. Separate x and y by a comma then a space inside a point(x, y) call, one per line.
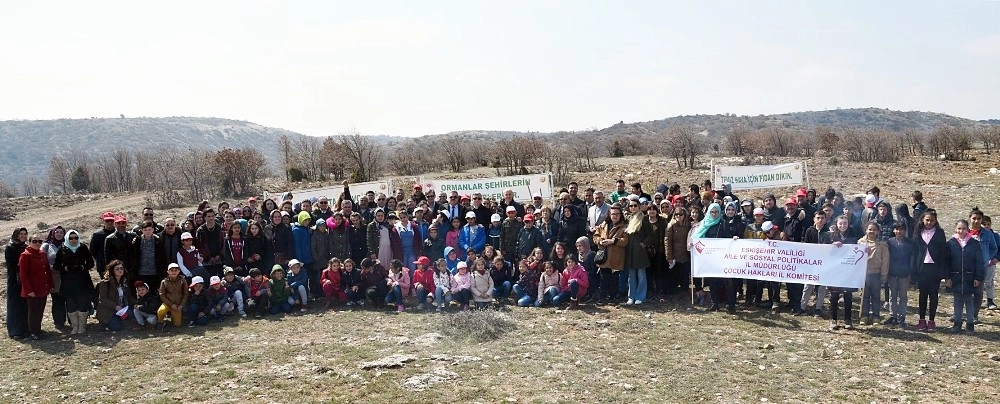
point(495, 217)
point(758, 211)
point(537, 195)
point(215, 280)
point(196, 280)
point(767, 226)
point(173, 265)
point(186, 235)
point(510, 209)
point(293, 262)
point(871, 198)
point(462, 264)
point(470, 215)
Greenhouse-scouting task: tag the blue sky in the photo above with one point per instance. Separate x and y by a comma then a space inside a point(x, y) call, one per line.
point(413, 68)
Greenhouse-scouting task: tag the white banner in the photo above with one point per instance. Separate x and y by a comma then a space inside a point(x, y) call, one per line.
point(523, 186)
point(780, 261)
point(333, 192)
point(754, 177)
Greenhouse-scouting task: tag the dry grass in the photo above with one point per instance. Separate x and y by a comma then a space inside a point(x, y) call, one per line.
point(663, 352)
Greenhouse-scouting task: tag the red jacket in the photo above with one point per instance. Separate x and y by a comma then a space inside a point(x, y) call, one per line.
point(425, 277)
point(332, 276)
point(36, 276)
point(577, 273)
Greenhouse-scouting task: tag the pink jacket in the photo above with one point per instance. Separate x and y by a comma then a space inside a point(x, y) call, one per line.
point(577, 273)
point(402, 279)
point(461, 281)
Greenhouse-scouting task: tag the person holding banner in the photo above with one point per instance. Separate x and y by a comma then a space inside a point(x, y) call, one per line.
point(713, 227)
point(840, 235)
point(816, 234)
point(676, 251)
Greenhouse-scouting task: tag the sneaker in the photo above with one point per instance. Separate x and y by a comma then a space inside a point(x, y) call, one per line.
point(956, 328)
point(890, 321)
point(931, 327)
point(439, 308)
point(361, 303)
point(848, 325)
point(638, 302)
point(865, 321)
point(714, 307)
point(303, 309)
point(629, 302)
point(350, 303)
point(922, 325)
point(421, 307)
point(400, 308)
point(970, 329)
point(834, 325)
point(990, 305)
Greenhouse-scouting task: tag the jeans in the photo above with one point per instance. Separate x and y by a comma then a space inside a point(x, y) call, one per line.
point(637, 284)
point(502, 291)
point(238, 300)
point(835, 305)
point(571, 294)
point(523, 298)
point(303, 295)
point(143, 318)
point(191, 313)
point(395, 295)
point(871, 303)
point(463, 296)
point(963, 302)
point(278, 307)
point(991, 272)
point(421, 294)
point(440, 297)
point(623, 283)
point(807, 291)
point(116, 323)
point(980, 291)
point(548, 296)
point(897, 297)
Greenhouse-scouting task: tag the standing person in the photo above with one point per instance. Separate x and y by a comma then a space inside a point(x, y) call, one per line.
point(256, 250)
point(472, 237)
point(113, 296)
point(754, 229)
point(209, 237)
point(792, 229)
point(16, 315)
point(340, 236)
point(378, 238)
point(74, 262)
point(676, 253)
point(597, 213)
point(713, 227)
point(302, 234)
point(97, 241)
point(572, 226)
point(965, 274)
point(876, 274)
point(170, 242)
point(235, 253)
point(988, 246)
point(549, 229)
point(528, 238)
point(357, 235)
point(406, 241)
point(508, 200)
point(144, 250)
point(279, 240)
point(509, 234)
point(919, 207)
point(620, 191)
point(322, 249)
point(987, 286)
point(902, 258)
point(817, 234)
point(36, 282)
point(636, 257)
point(933, 256)
point(118, 245)
point(655, 247)
point(612, 237)
point(53, 241)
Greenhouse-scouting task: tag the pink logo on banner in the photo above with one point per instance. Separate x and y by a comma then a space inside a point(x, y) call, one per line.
point(699, 246)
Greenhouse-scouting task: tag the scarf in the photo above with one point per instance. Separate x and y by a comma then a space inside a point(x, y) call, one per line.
point(69, 244)
point(709, 221)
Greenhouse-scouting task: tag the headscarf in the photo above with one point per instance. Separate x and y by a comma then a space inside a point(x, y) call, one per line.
point(51, 237)
point(69, 244)
point(709, 221)
point(585, 242)
point(13, 236)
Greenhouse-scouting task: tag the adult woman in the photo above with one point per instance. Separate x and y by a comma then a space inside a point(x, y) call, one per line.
point(558, 257)
point(74, 263)
point(549, 229)
point(199, 219)
point(17, 306)
point(256, 250)
point(714, 227)
point(636, 257)
point(357, 234)
point(933, 257)
point(340, 240)
point(234, 249)
point(36, 282)
point(611, 237)
point(657, 274)
point(278, 238)
point(378, 240)
point(571, 227)
point(53, 240)
point(112, 296)
point(188, 226)
point(676, 252)
point(267, 207)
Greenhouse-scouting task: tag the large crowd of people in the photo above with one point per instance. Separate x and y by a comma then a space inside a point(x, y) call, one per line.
point(448, 251)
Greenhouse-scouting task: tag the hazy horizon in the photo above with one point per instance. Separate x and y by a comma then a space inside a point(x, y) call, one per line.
point(409, 69)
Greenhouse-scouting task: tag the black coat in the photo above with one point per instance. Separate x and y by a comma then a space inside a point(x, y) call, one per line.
point(940, 253)
point(75, 267)
point(966, 266)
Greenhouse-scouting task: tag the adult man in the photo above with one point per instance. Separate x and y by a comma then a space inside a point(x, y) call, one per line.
point(147, 214)
point(792, 231)
point(97, 241)
point(537, 202)
point(772, 213)
point(508, 200)
point(588, 198)
point(118, 245)
point(575, 200)
point(802, 198)
point(637, 190)
point(209, 238)
point(482, 212)
point(144, 255)
point(620, 191)
point(455, 209)
point(170, 242)
point(322, 211)
point(347, 207)
point(598, 213)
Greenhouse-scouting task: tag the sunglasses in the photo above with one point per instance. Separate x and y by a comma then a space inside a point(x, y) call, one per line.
point(478, 199)
point(36, 241)
point(323, 203)
point(147, 215)
point(632, 205)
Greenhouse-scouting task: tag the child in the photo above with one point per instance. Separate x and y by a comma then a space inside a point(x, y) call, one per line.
point(452, 260)
point(372, 284)
point(442, 284)
point(573, 283)
point(173, 297)
point(840, 234)
point(527, 286)
point(966, 271)
point(330, 281)
point(548, 284)
point(218, 299)
point(508, 238)
point(297, 281)
point(398, 282)
point(198, 304)
point(280, 295)
point(350, 278)
point(259, 289)
point(434, 244)
point(460, 285)
point(816, 234)
point(145, 307)
point(529, 238)
point(235, 288)
point(502, 279)
point(493, 237)
point(423, 282)
point(482, 285)
point(902, 261)
point(876, 274)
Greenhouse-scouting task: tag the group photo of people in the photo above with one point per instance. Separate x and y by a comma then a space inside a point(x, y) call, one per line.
point(447, 252)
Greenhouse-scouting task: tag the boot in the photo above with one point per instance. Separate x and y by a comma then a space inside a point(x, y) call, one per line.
point(71, 318)
point(81, 317)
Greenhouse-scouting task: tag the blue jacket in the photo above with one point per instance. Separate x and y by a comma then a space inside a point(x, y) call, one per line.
point(902, 257)
point(988, 242)
point(451, 264)
point(965, 266)
point(303, 243)
point(476, 242)
point(295, 280)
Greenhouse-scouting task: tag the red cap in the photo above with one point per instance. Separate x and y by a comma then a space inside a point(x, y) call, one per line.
point(791, 201)
point(801, 192)
point(678, 198)
point(529, 218)
point(466, 198)
point(417, 186)
point(108, 216)
point(121, 219)
point(251, 199)
point(423, 261)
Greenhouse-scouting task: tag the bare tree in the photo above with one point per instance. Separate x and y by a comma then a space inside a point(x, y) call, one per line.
point(238, 170)
point(30, 185)
point(735, 141)
point(193, 167)
point(365, 155)
point(286, 152)
point(333, 157)
point(684, 143)
point(60, 174)
point(990, 137)
point(6, 190)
